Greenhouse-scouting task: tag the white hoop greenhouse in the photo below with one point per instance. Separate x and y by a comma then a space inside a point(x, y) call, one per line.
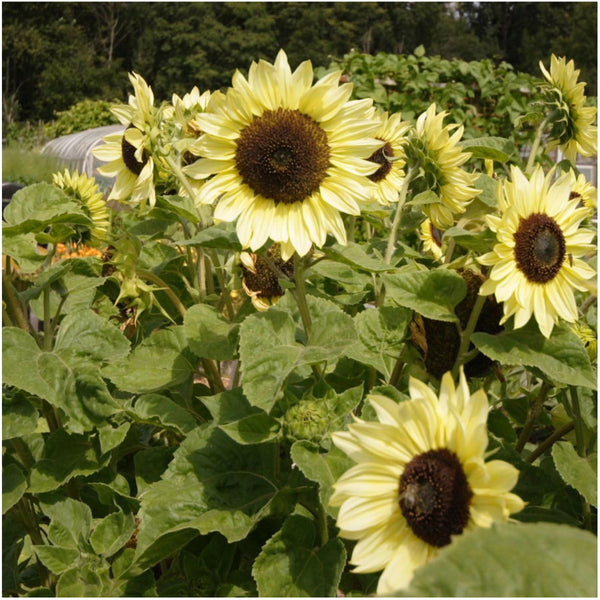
point(74, 151)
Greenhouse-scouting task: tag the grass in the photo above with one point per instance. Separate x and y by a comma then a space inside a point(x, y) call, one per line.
point(27, 166)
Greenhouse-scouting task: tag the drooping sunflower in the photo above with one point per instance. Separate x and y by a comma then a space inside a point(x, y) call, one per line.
point(389, 177)
point(287, 157)
point(432, 238)
point(572, 128)
point(436, 153)
point(420, 479)
point(536, 263)
point(84, 190)
point(129, 153)
point(260, 279)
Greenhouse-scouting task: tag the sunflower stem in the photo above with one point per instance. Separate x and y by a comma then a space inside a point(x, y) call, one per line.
point(214, 257)
point(536, 145)
point(579, 437)
point(300, 294)
point(13, 304)
point(536, 408)
point(47, 321)
point(212, 374)
point(547, 443)
point(175, 168)
point(150, 276)
point(465, 338)
point(391, 245)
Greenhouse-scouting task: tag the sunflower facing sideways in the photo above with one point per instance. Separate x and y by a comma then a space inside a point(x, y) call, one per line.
point(536, 263)
point(437, 155)
point(389, 177)
point(572, 126)
point(85, 190)
point(127, 153)
point(420, 479)
point(287, 157)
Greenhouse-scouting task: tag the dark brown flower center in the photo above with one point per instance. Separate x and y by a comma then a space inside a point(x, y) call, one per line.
point(266, 280)
point(435, 496)
point(283, 155)
point(128, 153)
point(539, 248)
point(381, 157)
point(436, 234)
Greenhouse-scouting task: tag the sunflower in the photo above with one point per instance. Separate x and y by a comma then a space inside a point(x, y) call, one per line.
point(583, 191)
point(84, 189)
point(129, 153)
point(573, 128)
point(436, 153)
point(260, 280)
point(536, 264)
point(288, 157)
point(389, 177)
point(420, 479)
point(432, 238)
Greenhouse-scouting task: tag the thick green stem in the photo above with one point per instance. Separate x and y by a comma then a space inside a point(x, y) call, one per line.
point(300, 294)
point(391, 245)
point(533, 415)
point(212, 374)
point(465, 336)
point(536, 145)
point(13, 304)
point(579, 437)
point(186, 185)
point(221, 279)
point(150, 276)
point(47, 321)
point(547, 443)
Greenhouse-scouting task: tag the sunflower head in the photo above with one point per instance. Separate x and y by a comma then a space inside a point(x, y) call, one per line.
point(84, 190)
point(261, 276)
point(537, 263)
point(583, 192)
point(287, 157)
point(434, 153)
point(572, 121)
point(432, 238)
point(420, 479)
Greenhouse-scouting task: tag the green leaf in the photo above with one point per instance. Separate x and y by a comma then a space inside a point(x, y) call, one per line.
point(71, 522)
point(562, 357)
point(426, 197)
point(381, 334)
point(508, 560)
point(112, 533)
point(157, 363)
point(24, 249)
point(209, 334)
point(269, 351)
point(64, 456)
point(182, 206)
point(88, 333)
point(14, 485)
point(479, 241)
point(80, 582)
point(221, 236)
point(19, 416)
point(323, 467)
point(576, 471)
point(291, 563)
point(229, 406)
point(355, 255)
point(495, 148)
point(221, 486)
point(253, 429)
point(37, 206)
point(432, 294)
point(163, 412)
point(110, 437)
point(57, 558)
point(150, 464)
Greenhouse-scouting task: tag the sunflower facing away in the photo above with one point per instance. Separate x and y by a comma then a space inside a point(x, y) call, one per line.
point(434, 151)
point(432, 238)
point(420, 479)
point(287, 157)
point(582, 191)
point(127, 153)
point(85, 190)
point(389, 177)
point(536, 263)
point(573, 128)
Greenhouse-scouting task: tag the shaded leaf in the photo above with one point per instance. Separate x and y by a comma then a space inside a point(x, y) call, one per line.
point(14, 485)
point(209, 335)
point(576, 471)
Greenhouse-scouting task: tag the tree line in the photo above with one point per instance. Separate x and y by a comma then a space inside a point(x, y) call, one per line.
point(58, 53)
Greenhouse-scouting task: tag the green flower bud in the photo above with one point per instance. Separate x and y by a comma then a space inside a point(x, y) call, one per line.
point(306, 420)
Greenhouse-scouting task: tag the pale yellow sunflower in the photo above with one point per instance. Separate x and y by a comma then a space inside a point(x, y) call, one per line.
point(436, 153)
point(583, 191)
point(573, 128)
point(432, 238)
point(420, 479)
point(84, 189)
point(536, 263)
point(261, 277)
point(129, 153)
point(389, 177)
point(287, 157)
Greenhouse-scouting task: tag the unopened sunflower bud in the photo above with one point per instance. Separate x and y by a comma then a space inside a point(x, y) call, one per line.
point(306, 420)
